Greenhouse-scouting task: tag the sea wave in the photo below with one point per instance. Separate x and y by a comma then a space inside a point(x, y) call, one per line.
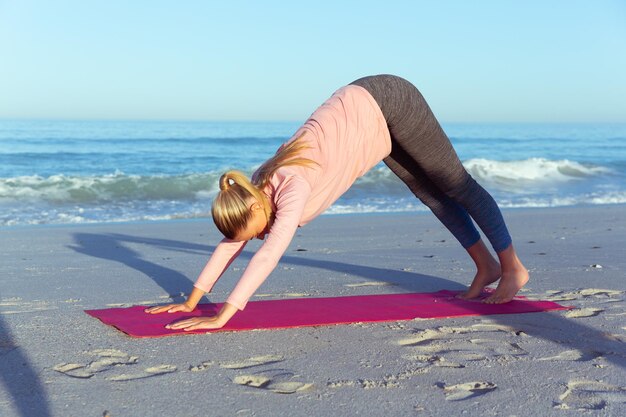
point(531, 170)
point(115, 197)
point(508, 176)
point(380, 181)
point(117, 187)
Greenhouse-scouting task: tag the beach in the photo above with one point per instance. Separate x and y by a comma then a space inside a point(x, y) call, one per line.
point(124, 126)
point(58, 361)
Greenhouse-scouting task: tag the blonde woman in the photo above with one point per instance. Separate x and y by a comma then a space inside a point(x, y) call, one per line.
point(375, 118)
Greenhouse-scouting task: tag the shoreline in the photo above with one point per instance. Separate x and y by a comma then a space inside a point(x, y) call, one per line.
point(323, 215)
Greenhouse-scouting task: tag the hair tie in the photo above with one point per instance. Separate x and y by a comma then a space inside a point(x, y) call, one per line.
point(225, 181)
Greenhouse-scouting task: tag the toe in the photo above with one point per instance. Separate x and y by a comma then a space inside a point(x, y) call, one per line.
point(494, 299)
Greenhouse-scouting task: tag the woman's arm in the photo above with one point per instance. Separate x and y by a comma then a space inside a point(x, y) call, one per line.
point(224, 254)
point(290, 200)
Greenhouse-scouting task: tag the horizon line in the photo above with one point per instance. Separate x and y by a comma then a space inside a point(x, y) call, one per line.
point(174, 120)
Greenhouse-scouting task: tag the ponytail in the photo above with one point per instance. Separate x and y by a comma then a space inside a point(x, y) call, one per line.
point(287, 155)
point(231, 207)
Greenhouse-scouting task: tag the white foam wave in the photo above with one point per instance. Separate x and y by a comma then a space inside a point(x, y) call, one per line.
point(532, 170)
point(615, 197)
point(64, 189)
point(610, 198)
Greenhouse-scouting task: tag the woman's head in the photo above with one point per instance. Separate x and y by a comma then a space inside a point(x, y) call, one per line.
point(238, 205)
point(241, 207)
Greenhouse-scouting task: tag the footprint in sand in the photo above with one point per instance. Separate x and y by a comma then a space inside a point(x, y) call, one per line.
point(444, 340)
point(466, 390)
point(147, 373)
point(589, 395)
point(474, 349)
point(108, 358)
point(574, 355)
point(279, 382)
point(445, 332)
point(596, 292)
point(421, 337)
point(556, 295)
point(251, 362)
point(499, 347)
point(492, 327)
point(583, 312)
point(75, 370)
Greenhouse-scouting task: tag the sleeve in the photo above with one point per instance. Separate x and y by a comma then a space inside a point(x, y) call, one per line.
point(225, 253)
point(290, 200)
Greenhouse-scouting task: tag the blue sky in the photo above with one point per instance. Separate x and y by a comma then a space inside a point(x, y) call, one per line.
point(474, 61)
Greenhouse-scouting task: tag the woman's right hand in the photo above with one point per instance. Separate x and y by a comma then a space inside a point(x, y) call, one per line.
point(170, 308)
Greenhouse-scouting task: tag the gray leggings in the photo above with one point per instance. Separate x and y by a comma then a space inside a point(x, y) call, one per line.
point(424, 159)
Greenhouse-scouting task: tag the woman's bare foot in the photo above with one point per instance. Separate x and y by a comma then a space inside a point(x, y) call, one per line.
point(510, 283)
point(487, 270)
point(514, 277)
point(484, 277)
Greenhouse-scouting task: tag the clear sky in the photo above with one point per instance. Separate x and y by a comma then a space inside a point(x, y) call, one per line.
point(474, 61)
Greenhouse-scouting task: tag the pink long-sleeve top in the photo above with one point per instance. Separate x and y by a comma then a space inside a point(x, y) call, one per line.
point(347, 136)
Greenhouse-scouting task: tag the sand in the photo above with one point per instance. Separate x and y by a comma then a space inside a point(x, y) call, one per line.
point(55, 360)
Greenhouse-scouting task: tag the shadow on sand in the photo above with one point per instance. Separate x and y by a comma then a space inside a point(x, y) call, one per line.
point(19, 378)
point(549, 326)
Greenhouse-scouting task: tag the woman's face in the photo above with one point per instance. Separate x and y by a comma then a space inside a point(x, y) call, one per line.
point(257, 225)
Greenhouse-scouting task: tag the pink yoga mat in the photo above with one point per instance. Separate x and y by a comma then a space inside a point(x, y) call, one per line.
point(301, 312)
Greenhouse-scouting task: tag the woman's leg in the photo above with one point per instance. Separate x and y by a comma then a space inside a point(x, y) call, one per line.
point(453, 216)
point(417, 133)
point(450, 213)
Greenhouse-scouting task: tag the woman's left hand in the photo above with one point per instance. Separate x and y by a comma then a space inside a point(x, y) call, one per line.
point(197, 323)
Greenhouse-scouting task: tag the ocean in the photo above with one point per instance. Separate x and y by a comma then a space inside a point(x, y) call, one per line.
point(59, 172)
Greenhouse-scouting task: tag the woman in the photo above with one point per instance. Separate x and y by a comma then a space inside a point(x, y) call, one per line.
point(375, 118)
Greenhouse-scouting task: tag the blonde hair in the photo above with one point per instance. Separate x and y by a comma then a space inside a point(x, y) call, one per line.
point(231, 207)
